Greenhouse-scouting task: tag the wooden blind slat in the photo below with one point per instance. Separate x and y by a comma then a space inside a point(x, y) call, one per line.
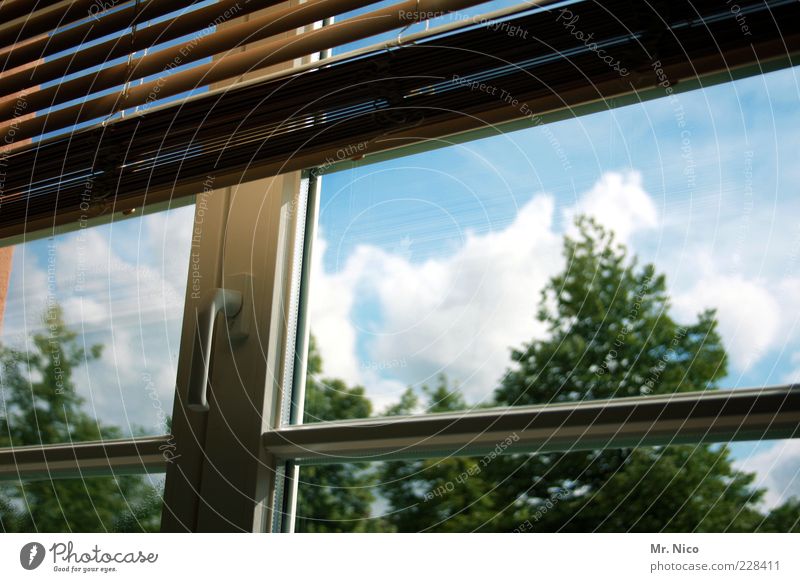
point(221, 69)
point(204, 43)
point(44, 45)
point(387, 99)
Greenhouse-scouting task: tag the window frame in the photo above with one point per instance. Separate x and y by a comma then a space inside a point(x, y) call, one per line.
point(235, 467)
point(255, 489)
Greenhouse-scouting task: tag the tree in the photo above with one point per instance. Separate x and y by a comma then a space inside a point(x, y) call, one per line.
point(610, 334)
point(42, 406)
point(336, 497)
point(445, 495)
point(784, 518)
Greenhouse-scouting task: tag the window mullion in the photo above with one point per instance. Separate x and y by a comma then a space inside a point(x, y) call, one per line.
point(693, 417)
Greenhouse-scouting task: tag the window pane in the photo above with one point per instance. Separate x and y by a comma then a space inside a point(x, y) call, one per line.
point(91, 330)
point(130, 503)
point(434, 263)
point(649, 249)
point(679, 488)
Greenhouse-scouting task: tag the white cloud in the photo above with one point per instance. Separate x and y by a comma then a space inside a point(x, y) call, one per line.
point(793, 377)
point(460, 314)
point(165, 238)
point(85, 311)
point(457, 315)
point(749, 314)
point(787, 293)
point(330, 303)
point(777, 469)
point(619, 202)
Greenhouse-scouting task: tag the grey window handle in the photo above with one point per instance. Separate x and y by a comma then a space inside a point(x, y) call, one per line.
point(228, 301)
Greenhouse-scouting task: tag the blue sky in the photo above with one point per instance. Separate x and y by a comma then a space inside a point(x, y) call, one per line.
point(744, 150)
point(432, 262)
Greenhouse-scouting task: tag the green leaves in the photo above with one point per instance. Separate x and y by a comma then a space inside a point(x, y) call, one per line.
point(43, 408)
point(334, 497)
point(612, 336)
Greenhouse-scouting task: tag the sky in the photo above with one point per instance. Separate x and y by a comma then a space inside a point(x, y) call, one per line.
point(432, 263)
point(121, 286)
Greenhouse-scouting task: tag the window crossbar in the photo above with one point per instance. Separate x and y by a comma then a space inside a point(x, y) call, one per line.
point(689, 417)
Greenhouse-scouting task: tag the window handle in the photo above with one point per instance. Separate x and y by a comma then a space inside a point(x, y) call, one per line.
point(228, 301)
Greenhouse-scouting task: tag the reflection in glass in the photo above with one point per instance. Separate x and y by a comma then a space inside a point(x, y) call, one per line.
point(649, 249)
point(678, 488)
point(91, 330)
point(128, 503)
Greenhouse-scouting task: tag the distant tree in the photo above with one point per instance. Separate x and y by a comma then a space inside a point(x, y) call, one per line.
point(444, 495)
point(784, 518)
point(42, 406)
point(679, 488)
point(335, 497)
point(611, 335)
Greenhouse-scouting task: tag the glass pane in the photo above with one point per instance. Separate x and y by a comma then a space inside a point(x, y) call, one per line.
point(434, 263)
point(91, 330)
point(130, 503)
point(648, 249)
point(679, 488)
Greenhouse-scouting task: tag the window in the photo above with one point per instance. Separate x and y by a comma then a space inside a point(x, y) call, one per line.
point(421, 286)
point(432, 264)
point(483, 274)
point(91, 328)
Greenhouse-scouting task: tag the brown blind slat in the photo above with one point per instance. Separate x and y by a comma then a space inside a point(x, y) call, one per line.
point(44, 45)
point(202, 45)
point(226, 67)
point(388, 99)
point(13, 9)
point(40, 19)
